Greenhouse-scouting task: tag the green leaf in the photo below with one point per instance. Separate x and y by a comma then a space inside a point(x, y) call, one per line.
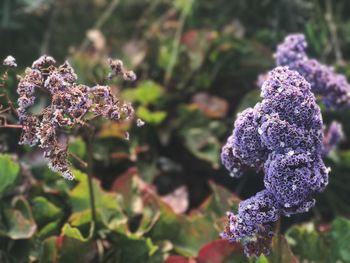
point(107, 204)
point(44, 211)
point(9, 171)
point(133, 250)
point(164, 56)
point(187, 233)
point(48, 251)
point(340, 243)
point(262, 259)
point(203, 145)
point(184, 6)
point(74, 232)
point(344, 158)
point(80, 218)
point(140, 207)
point(78, 147)
point(200, 134)
point(152, 117)
point(249, 100)
point(280, 251)
point(65, 250)
point(17, 221)
point(219, 202)
point(52, 228)
point(147, 92)
point(307, 243)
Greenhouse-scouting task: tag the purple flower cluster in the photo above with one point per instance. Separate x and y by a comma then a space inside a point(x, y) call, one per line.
point(333, 87)
point(253, 223)
point(244, 146)
point(332, 137)
point(70, 104)
point(283, 136)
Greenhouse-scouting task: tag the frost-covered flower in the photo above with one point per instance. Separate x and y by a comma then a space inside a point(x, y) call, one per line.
point(333, 87)
point(283, 134)
point(43, 61)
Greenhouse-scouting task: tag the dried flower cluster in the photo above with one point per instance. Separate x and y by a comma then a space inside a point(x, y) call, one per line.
point(71, 105)
point(283, 136)
point(333, 87)
point(117, 68)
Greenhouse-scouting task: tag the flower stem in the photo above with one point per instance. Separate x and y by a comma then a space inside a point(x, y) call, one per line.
point(78, 159)
point(278, 254)
point(11, 126)
point(89, 147)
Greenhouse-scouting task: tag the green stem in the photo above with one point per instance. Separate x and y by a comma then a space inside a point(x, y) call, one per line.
point(89, 147)
point(176, 44)
point(101, 21)
point(333, 32)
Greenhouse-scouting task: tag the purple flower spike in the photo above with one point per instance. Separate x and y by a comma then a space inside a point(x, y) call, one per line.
point(291, 50)
point(282, 134)
point(332, 137)
point(333, 87)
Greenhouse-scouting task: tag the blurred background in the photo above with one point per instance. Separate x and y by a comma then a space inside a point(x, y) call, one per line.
point(197, 64)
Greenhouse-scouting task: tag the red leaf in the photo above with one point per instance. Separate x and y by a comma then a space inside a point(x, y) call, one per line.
point(217, 251)
point(59, 241)
point(211, 106)
point(124, 185)
point(178, 199)
point(190, 39)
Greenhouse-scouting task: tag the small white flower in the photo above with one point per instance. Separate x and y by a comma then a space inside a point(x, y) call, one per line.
point(140, 123)
point(290, 153)
point(127, 136)
point(10, 61)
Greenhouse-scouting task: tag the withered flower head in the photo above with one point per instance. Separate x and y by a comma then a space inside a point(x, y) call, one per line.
point(70, 104)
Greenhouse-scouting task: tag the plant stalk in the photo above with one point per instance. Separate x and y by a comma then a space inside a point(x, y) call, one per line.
point(278, 254)
point(89, 147)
